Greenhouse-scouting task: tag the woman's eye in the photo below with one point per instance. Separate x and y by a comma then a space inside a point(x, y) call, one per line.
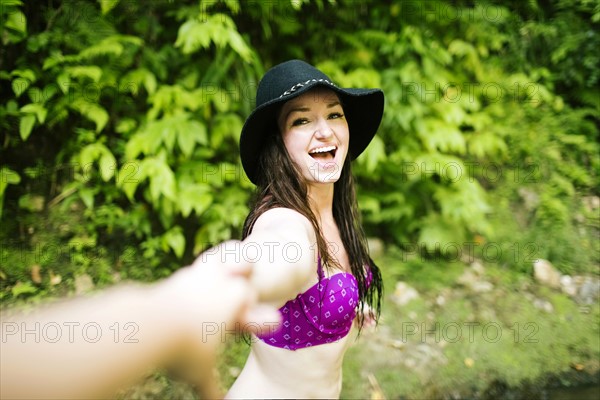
point(335, 115)
point(299, 121)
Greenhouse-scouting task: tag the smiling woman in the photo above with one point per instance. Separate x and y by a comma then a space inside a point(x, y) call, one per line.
point(297, 147)
point(315, 134)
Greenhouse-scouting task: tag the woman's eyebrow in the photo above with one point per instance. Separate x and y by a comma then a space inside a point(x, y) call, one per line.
point(296, 109)
point(306, 109)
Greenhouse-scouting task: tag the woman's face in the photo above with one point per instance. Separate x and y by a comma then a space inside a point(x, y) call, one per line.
point(315, 133)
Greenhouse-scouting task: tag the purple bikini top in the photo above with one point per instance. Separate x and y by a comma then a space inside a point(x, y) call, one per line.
point(323, 314)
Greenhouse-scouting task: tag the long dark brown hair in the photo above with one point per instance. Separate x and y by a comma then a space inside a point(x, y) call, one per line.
point(279, 184)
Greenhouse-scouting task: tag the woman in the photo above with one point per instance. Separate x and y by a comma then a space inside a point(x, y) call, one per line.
point(314, 264)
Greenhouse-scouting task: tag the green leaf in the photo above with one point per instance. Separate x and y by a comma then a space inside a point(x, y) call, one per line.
point(195, 197)
point(233, 5)
point(64, 81)
point(201, 239)
point(97, 151)
point(168, 131)
point(126, 125)
point(91, 111)
point(218, 29)
point(23, 288)
point(109, 46)
point(137, 145)
point(162, 178)
point(87, 71)
point(108, 165)
point(438, 135)
point(89, 154)
point(238, 44)
point(107, 5)
point(26, 125)
point(165, 99)
point(37, 109)
point(192, 36)
point(175, 240)
point(373, 154)
point(188, 135)
point(186, 141)
point(134, 79)
point(163, 183)
point(16, 21)
point(26, 74)
point(150, 82)
point(225, 125)
point(42, 96)
point(87, 196)
point(129, 177)
point(7, 3)
point(20, 85)
point(486, 144)
point(464, 203)
point(7, 177)
point(53, 60)
point(199, 130)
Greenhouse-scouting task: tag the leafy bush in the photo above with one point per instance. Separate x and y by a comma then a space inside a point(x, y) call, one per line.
point(122, 119)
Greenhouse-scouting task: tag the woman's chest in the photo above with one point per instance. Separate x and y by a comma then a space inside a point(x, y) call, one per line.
point(336, 248)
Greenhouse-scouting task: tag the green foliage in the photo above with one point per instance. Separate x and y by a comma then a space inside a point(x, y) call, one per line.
point(133, 111)
point(153, 141)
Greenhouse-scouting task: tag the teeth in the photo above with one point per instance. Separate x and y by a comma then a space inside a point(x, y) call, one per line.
point(322, 149)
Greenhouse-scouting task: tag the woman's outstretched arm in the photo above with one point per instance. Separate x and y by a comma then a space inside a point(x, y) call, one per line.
point(282, 248)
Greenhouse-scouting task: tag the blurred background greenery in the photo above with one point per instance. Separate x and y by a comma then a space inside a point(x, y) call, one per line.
point(119, 125)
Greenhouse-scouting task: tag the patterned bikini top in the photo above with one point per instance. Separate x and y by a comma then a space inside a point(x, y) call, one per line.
point(323, 314)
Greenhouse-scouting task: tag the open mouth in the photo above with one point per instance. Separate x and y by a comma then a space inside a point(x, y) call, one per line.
point(323, 153)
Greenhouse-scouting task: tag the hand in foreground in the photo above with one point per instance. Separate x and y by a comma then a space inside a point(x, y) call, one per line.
point(217, 303)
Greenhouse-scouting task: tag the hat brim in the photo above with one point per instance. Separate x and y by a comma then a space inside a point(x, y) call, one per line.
point(363, 109)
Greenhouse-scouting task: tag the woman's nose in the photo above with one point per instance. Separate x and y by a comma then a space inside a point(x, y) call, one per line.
point(324, 130)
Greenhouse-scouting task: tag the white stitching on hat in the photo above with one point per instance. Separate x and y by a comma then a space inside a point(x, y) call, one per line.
point(301, 84)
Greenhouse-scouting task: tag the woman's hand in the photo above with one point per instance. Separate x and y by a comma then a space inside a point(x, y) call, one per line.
point(369, 321)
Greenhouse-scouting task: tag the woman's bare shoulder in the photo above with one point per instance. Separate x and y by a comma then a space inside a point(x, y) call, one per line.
point(283, 219)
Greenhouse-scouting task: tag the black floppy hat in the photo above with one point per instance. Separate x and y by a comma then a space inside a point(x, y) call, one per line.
point(363, 109)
